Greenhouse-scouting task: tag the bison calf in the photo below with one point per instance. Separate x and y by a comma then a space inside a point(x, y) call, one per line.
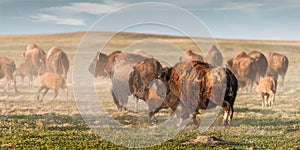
point(53, 81)
point(267, 88)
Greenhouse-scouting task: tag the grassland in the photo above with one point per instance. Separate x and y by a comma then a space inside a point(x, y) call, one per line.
point(28, 124)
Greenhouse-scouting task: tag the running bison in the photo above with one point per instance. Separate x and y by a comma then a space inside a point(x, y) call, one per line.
point(26, 69)
point(244, 68)
point(267, 88)
point(7, 68)
point(56, 61)
point(121, 67)
point(199, 85)
point(214, 56)
point(189, 55)
point(261, 62)
point(279, 64)
point(33, 55)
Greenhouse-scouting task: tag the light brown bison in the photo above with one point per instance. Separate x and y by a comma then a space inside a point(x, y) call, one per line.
point(7, 68)
point(214, 56)
point(279, 64)
point(57, 61)
point(197, 84)
point(261, 62)
point(26, 69)
point(34, 54)
point(244, 68)
point(267, 88)
point(49, 80)
point(189, 55)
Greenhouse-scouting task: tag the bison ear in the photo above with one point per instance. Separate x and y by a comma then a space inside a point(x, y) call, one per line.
point(256, 83)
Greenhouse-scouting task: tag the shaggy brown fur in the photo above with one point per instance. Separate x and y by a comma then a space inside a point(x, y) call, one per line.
point(267, 87)
point(279, 64)
point(53, 81)
point(7, 68)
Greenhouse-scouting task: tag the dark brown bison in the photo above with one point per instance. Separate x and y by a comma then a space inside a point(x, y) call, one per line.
point(7, 68)
point(49, 80)
point(244, 68)
point(143, 74)
point(34, 54)
point(197, 84)
point(57, 61)
point(278, 64)
point(120, 67)
point(214, 56)
point(189, 55)
point(267, 88)
point(261, 62)
point(156, 98)
point(26, 69)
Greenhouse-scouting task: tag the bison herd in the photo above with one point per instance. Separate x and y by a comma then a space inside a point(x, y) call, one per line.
point(194, 83)
point(51, 69)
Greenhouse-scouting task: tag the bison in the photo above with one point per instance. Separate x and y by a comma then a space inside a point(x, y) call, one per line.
point(56, 61)
point(197, 83)
point(189, 55)
point(33, 55)
point(49, 80)
point(261, 62)
point(7, 68)
point(214, 56)
point(120, 67)
point(266, 87)
point(244, 68)
point(26, 69)
point(278, 64)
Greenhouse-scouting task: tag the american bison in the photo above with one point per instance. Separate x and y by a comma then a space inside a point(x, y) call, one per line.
point(197, 83)
point(26, 69)
point(189, 55)
point(261, 62)
point(279, 64)
point(267, 88)
point(244, 68)
point(57, 61)
point(120, 67)
point(156, 98)
point(34, 54)
point(214, 56)
point(7, 68)
point(49, 80)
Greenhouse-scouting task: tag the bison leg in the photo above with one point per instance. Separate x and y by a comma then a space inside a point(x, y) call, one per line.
point(7, 85)
point(116, 101)
point(262, 100)
point(226, 107)
point(195, 120)
point(272, 99)
point(46, 91)
point(30, 80)
point(67, 94)
point(267, 100)
point(136, 104)
point(55, 94)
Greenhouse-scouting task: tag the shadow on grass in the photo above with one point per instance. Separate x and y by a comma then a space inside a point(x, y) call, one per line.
point(262, 111)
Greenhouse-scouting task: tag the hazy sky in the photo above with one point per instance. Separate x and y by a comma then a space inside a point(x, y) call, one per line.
point(239, 19)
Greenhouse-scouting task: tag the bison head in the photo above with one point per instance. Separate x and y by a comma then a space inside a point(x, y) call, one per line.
point(135, 82)
point(97, 67)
